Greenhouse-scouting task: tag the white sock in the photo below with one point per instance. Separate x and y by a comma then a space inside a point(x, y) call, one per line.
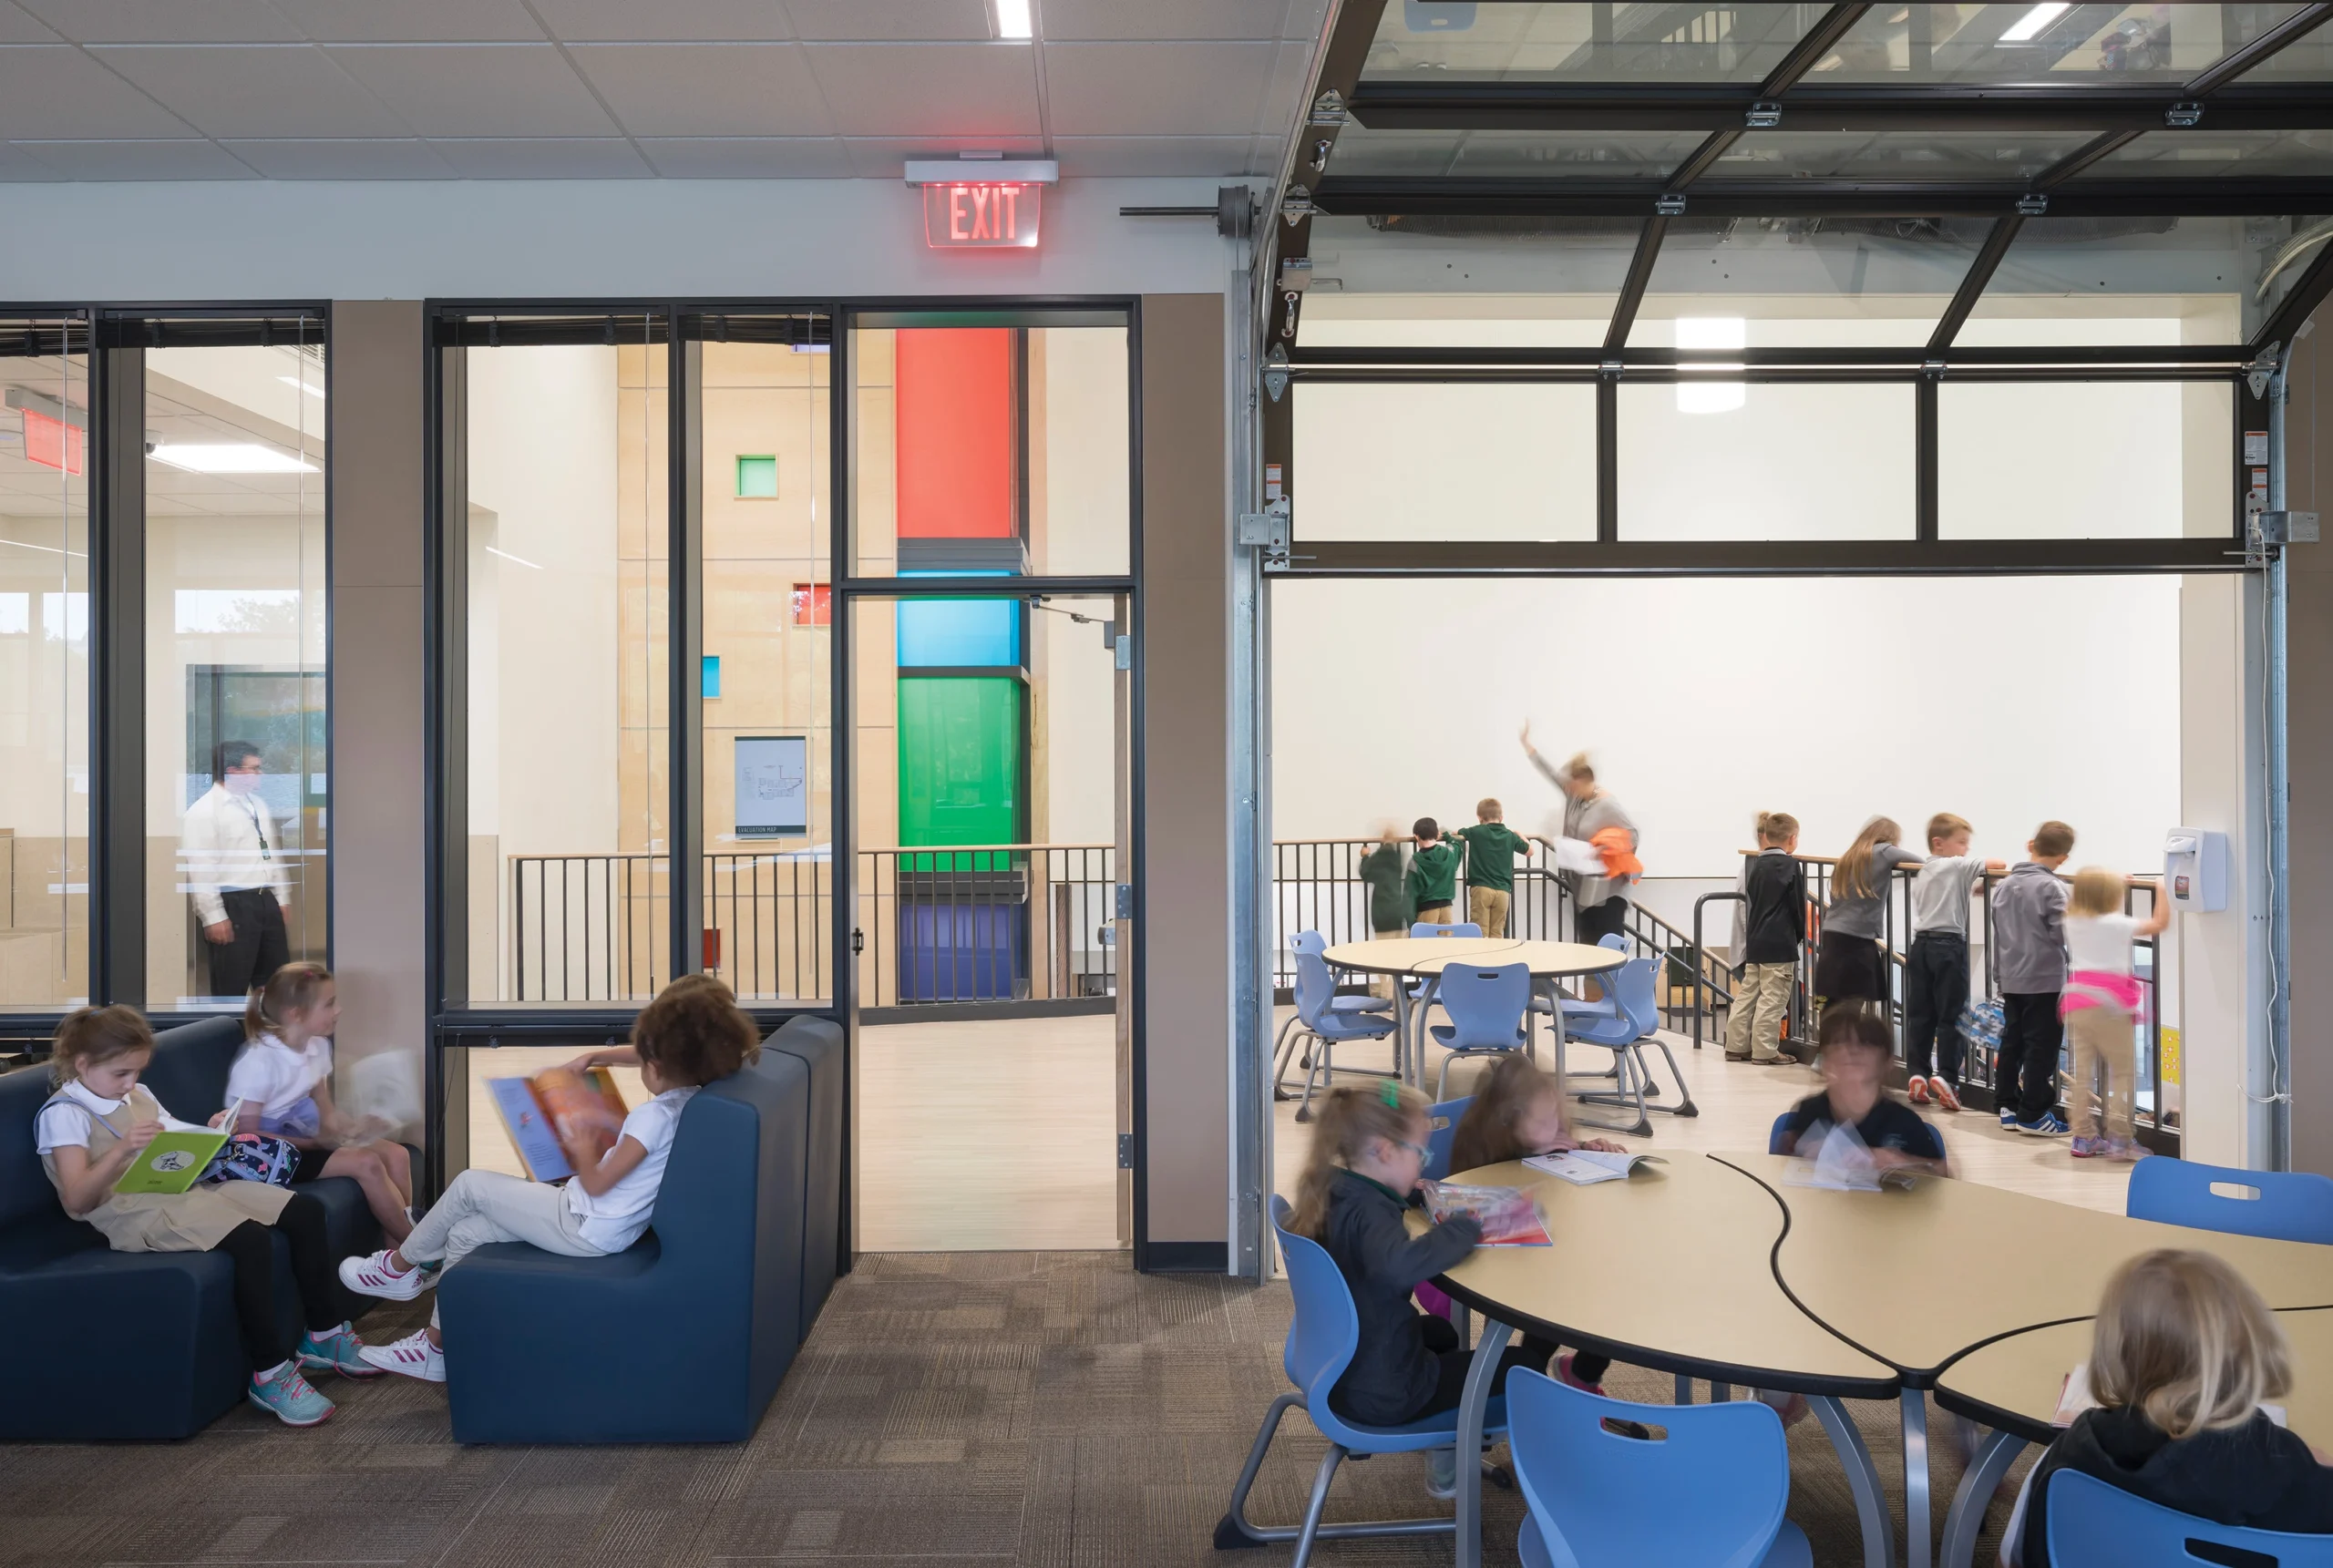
point(272, 1372)
point(326, 1335)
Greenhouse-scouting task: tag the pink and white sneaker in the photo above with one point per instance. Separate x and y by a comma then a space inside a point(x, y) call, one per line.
point(374, 1276)
point(411, 1356)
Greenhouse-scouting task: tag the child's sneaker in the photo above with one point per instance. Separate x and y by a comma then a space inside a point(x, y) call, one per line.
point(1442, 1473)
point(1565, 1375)
point(411, 1356)
point(374, 1276)
point(2045, 1125)
point(289, 1398)
point(1917, 1089)
point(2128, 1150)
point(2088, 1148)
point(2009, 1120)
point(340, 1350)
point(1945, 1097)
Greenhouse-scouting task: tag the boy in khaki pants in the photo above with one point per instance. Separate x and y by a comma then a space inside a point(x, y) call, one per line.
point(1769, 923)
point(1491, 849)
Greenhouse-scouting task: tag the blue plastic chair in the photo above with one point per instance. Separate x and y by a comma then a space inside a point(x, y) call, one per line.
point(1600, 1499)
point(2096, 1524)
point(1486, 1009)
point(1422, 990)
point(1774, 1144)
point(1441, 1130)
point(1621, 1024)
point(1284, 1046)
point(1322, 1340)
point(1316, 994)
point(2286, 1205)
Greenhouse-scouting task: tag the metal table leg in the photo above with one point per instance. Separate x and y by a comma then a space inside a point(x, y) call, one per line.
point(1966, 1521)
point(1919, 1527)
point(1480, 1375)
point(1862, 1482)
point(1418, 1035)
point(1684, 1389)
point(1400, 1027)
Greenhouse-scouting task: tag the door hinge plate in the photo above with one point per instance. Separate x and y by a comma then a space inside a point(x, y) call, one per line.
point(1125, 900)
point(1126, 1151)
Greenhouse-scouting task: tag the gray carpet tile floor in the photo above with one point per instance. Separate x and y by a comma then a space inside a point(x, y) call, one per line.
point(975, 1408)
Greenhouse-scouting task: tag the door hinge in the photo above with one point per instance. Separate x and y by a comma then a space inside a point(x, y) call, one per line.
point(1125, 900)
point(858, 941)
point(1126, 1151)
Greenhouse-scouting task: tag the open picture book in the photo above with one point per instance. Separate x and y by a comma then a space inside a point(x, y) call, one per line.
point(533, 1108)
point(1508, 1216)
point(1585, 1167)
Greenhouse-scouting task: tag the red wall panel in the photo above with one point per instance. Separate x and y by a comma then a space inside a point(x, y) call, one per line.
point(954, 408)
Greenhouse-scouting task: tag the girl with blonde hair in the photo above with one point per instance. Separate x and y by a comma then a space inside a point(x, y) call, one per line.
point(1849, 966)
point(2100, 1005)
point(2181, 1358)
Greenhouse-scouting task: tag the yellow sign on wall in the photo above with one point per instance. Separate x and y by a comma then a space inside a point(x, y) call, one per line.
point(2170, 1055)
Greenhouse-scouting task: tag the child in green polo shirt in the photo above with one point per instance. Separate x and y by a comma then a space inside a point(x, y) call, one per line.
point(1491, 849)
point(1433, 874)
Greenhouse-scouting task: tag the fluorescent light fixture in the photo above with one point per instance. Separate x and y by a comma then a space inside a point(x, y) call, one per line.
point(1711, 333)
point(1013, 21)
point(303, 384)
point(505, 555)
point(230, 457)
point(2023, 29)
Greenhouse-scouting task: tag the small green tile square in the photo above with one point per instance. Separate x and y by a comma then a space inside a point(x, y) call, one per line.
point(757, 478)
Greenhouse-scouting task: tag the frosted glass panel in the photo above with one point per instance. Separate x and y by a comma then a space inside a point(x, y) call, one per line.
point(1423, 461)
point(2085, 460)
point(1788, 462)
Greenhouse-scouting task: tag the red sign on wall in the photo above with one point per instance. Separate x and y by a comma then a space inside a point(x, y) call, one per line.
point(54, 444)
point(961, 217)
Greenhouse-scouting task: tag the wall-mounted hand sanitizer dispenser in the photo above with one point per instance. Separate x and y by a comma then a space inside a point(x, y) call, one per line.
point(2195, 869)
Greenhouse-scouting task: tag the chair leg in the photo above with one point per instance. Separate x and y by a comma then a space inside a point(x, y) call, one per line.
point(1234, 1531)
point(1684, 1090)
point(1442, 1078)
point(1319, 1071)
point(1283, 1048)
point(1312, 1510)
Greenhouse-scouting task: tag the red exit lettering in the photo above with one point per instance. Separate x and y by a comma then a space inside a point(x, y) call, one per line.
point(982, 217)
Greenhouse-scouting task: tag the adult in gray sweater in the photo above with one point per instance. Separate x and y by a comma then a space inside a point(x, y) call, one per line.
point(1601, 904)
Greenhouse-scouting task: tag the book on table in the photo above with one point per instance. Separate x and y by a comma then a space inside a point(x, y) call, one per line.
point(178, 1156)
point(535, 1109)
point(1509, 1215)
point(1585, 1167)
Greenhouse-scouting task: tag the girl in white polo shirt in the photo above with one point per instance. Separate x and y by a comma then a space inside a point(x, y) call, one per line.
point(693, 1034)
point(282, 1076)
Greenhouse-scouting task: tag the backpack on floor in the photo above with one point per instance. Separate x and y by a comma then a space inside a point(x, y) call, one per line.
point(1980, 1026)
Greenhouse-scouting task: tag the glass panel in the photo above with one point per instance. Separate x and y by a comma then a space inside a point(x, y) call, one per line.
point(1611, 154)
point(2187, 154)
point(568, 697)
point(2085, 460)
point(1895, 155)
point(1422, 282)
point(1791, 282)
point(1444, 461)
point(1422, 40)
point(768, 819)
point(44, 663)
point(238, 771)
point(991, 443)
point(2140, 280)
point(1770, 461)
point(2058, 44)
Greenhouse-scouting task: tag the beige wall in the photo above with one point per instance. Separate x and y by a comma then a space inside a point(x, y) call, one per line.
point(1186, 630)
point(2309, 433)
point(380, 780)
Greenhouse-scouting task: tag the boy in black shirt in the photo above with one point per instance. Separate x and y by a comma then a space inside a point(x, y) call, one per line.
point(1768, 925)
point(1856, 1049)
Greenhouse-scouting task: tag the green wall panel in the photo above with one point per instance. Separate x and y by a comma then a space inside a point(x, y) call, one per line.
point(959, 761)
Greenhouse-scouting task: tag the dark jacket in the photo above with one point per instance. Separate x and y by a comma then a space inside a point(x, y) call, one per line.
point(1393, 1373)
point(1390, 908)
point(1773, 911)
point(2257, 1474)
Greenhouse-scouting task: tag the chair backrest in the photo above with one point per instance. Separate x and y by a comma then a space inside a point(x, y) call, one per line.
point(1442, 1129)
point(1775, 1140)
point(1316, 987)
point(2093, 1523)
point(818, 1044)
point(2286, 1205)
point(1615, 940)
point(1326, 1329)
point(1485, 1005)
point(1461, 928)
point(1635, 987)
point(1309, 942)
point(1598, 1497)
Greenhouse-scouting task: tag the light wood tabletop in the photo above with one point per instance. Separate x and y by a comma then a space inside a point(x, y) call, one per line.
point(1667, 1269)
point(1429, 955)
point(1916, 1276)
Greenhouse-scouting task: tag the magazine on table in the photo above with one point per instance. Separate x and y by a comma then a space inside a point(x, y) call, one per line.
point(535, 1109)
point(1509, 1215)
point(1585, 1167)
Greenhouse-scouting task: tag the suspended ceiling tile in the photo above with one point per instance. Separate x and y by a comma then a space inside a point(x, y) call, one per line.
point(577, 157)
point(907, 21)
point(1157, 89)
point(747, 157)
point(629, 21)
point(707, 90)
point(1072, 20)
point(412, 20)
point(165, 21)
point(479, 89)
point(253, 91)
point(929, 89)
point(381, 157)
point(139, 159)
point(1135, 156)
point(18, 26)
point(54, 92)
point(886, 158)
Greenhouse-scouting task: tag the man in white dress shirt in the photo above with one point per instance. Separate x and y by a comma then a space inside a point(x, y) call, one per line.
point(235, 869)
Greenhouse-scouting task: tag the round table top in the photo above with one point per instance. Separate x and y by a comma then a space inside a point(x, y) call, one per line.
point(1427, 955)
point(1917, 1276)
point(1667, 1269)
point(2014, 1383)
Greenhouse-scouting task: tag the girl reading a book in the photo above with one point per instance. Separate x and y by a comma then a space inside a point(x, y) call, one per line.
point(1368, 1149)
point(282, 1077)
point(1518, 1112)
point(2182, 1355)
point(693, 1034)
point(91, 1130)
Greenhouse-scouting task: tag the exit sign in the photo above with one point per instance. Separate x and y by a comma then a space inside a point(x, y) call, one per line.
point(965, 215)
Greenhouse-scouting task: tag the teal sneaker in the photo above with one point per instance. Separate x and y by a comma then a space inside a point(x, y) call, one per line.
point(339, 1351)
point(288, 1397)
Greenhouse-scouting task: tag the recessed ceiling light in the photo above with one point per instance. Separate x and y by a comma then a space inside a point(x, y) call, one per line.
point(303, 384)
point(231, 457)
point(1013, 21)
point(2022, 30)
